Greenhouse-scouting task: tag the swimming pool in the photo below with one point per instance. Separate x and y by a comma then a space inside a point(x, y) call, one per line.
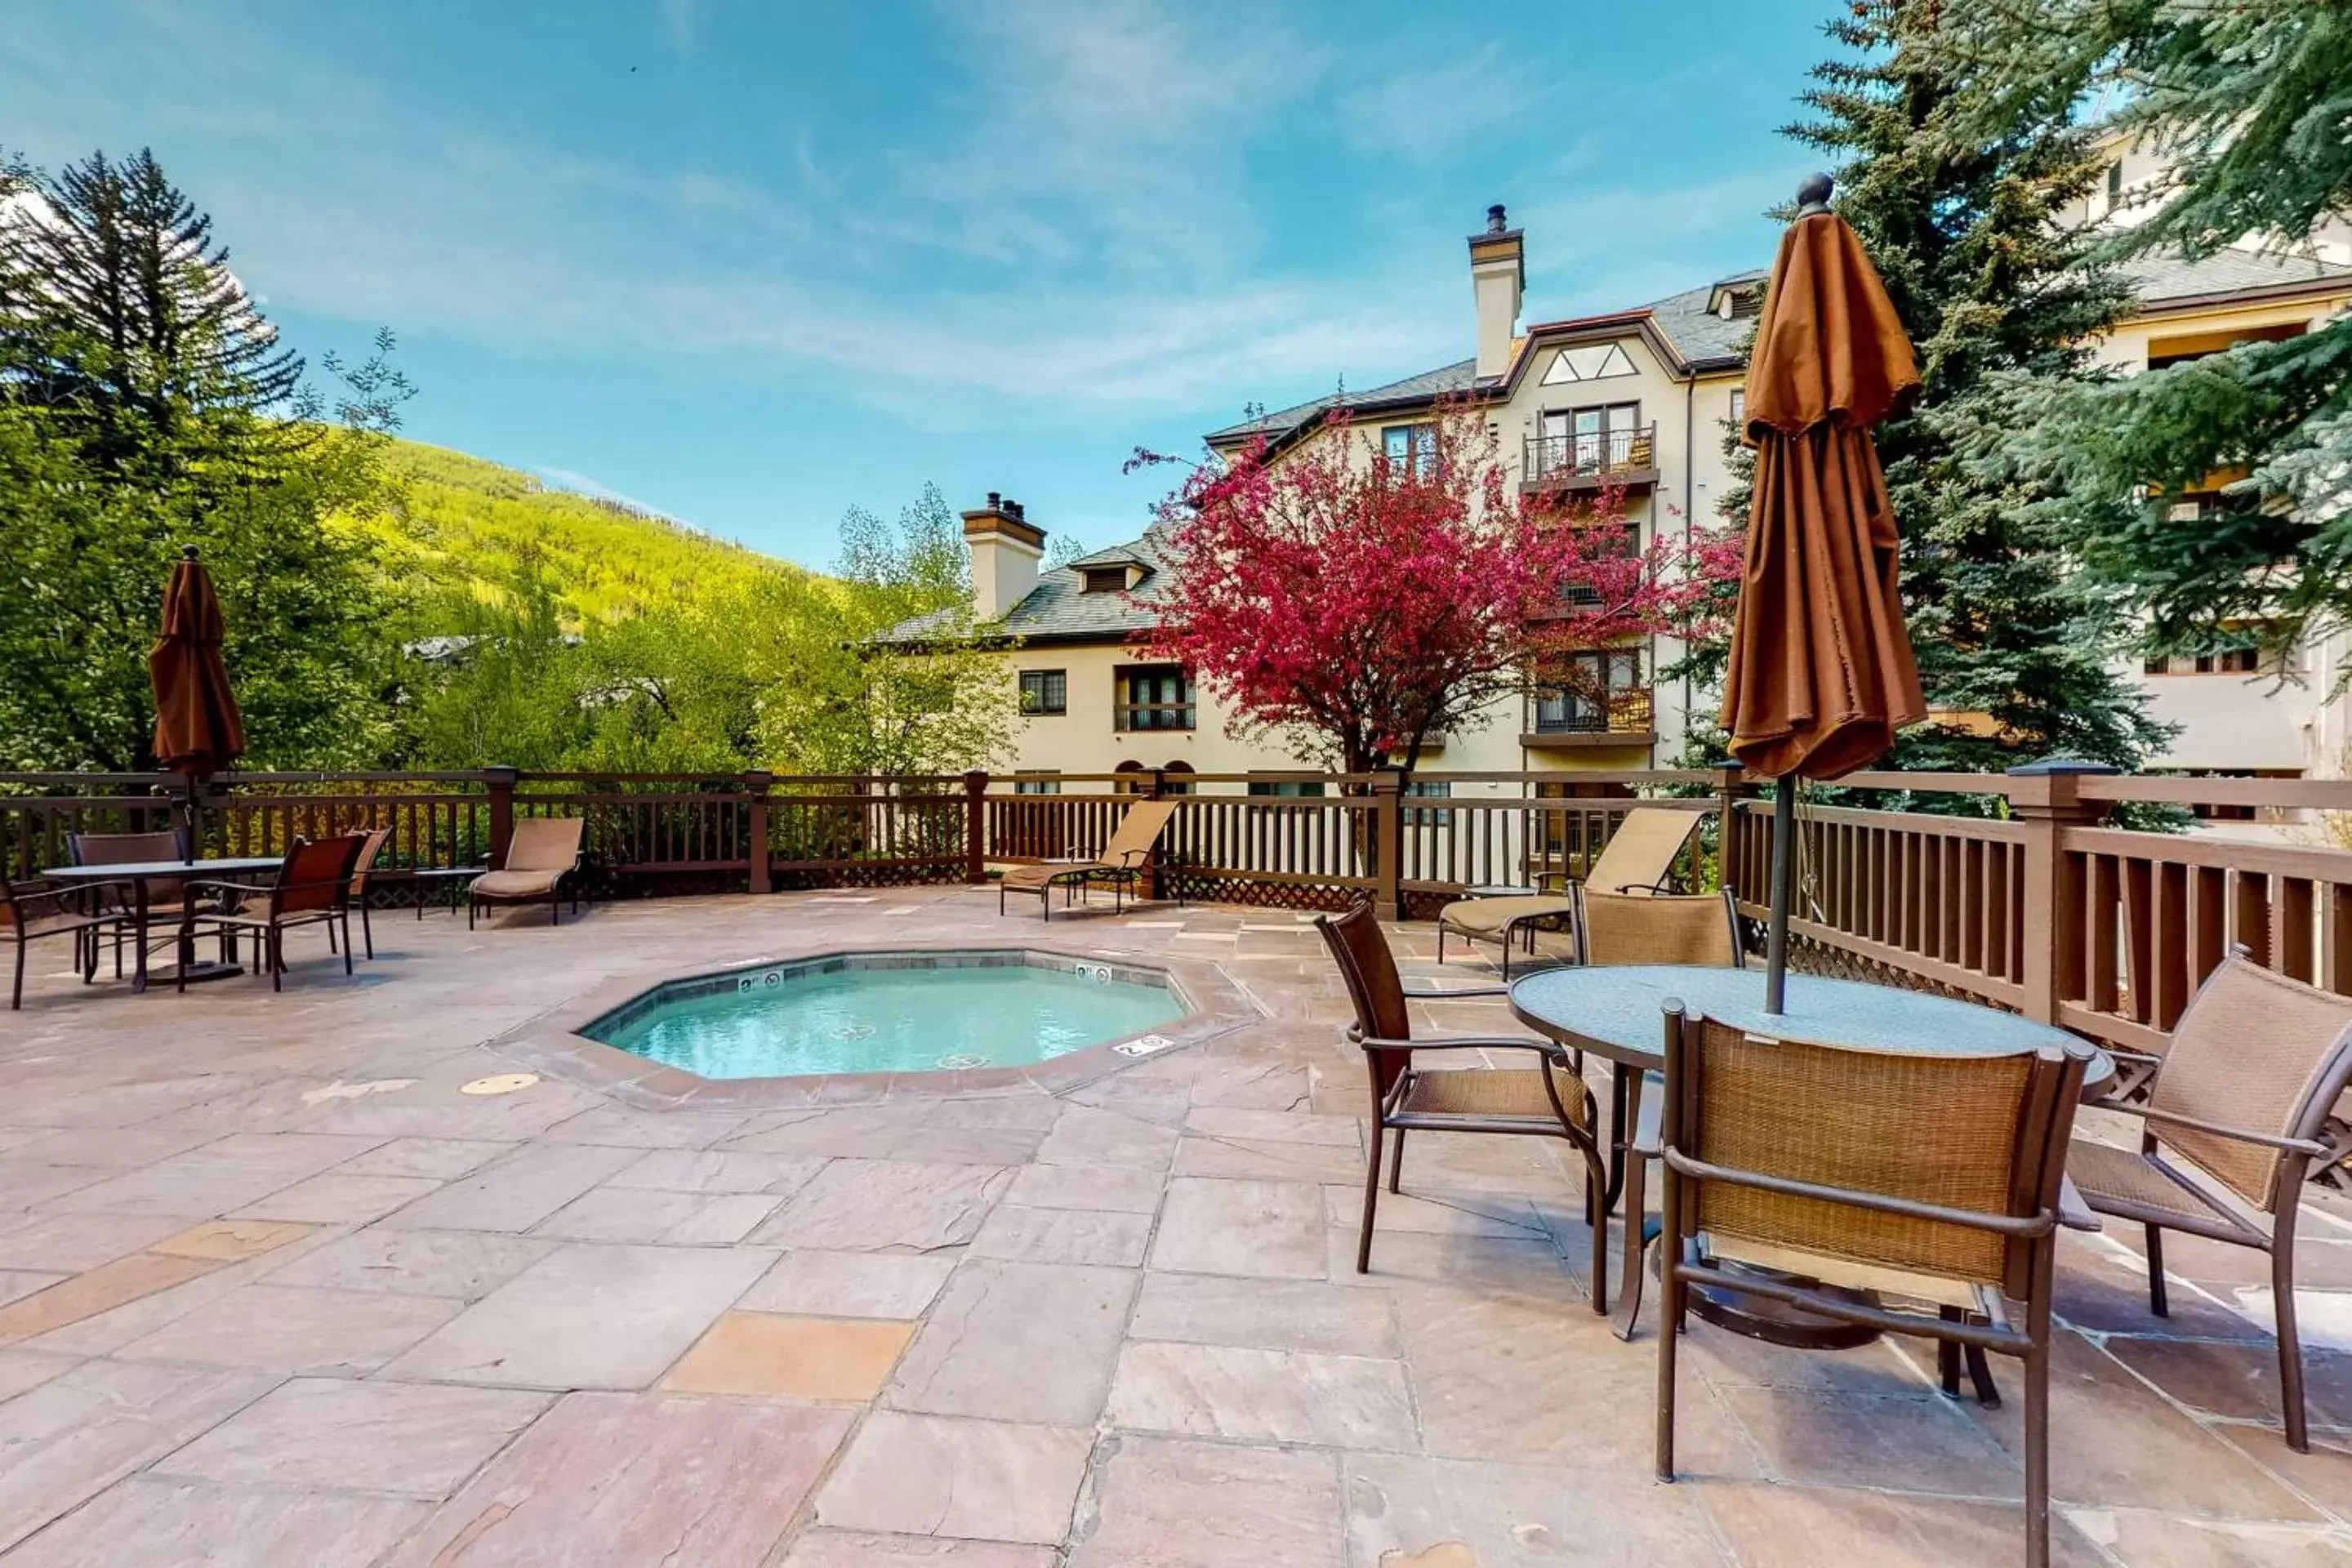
point(889, 1013)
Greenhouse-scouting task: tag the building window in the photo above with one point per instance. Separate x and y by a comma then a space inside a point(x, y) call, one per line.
point(1176, 778)
point(1038, 780)
point(1152, 697)
point(1619, 542)
point(2115, 184)
point(1428, 789)
point(1410, 447)
point(1287, 789)
point(2229, 662)
point(1105, 579)
point(1739, 409)
point(1604, 696)
point(1045, 691)
point(1585, 442)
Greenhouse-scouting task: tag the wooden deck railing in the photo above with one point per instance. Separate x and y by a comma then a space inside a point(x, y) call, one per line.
point(2040, 906)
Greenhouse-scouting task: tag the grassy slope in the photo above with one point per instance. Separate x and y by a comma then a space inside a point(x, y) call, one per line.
point(460, 520)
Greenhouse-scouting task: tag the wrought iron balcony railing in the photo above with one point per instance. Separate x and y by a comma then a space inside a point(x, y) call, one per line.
point(1600, 455)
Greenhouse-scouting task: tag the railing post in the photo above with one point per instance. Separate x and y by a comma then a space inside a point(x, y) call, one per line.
point(975, 826)
point(1730, 787)
point(1387, 846)
point(756, 784)
point(2044, 798)
point(501, 781)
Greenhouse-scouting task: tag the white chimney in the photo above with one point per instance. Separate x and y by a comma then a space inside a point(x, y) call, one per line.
point(1005, 548)
point(1498, 277)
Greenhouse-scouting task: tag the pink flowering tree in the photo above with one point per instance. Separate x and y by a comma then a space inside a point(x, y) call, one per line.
point(1361, 605)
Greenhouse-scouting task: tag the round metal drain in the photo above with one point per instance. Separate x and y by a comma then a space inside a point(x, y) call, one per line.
point(957, 1063)
point(499, 1083)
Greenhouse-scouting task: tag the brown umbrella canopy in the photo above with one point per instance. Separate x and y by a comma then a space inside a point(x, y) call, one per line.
point(198, 726)
point(1821, 674)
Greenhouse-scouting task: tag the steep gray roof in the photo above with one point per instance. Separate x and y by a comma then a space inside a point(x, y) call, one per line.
point(2157, 278)
point(1058, 609)
point(1701, 334)
point(1456, 377)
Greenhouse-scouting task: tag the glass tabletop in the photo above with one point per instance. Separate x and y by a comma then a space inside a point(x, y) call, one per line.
point(1616, 1011)
point(134, 870)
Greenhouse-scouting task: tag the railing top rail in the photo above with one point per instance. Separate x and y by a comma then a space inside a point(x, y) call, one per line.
point(2325, 794)
point(2314, 862)
point(1929, 823)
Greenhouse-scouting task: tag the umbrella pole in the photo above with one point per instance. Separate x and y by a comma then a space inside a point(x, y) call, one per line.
point(1784, 892)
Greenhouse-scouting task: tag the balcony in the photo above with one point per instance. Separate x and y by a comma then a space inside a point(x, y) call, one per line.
point(1626, 459)
point(1620, 716)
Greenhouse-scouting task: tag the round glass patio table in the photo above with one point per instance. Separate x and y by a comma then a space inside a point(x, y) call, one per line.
point(1617, 1010)
point(141, 875)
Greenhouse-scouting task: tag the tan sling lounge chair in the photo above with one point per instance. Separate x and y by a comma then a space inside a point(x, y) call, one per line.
point(1121, 863)
point(543, 853)
point(1638, 858)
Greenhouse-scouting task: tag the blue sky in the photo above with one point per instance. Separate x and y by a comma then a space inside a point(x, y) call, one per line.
point(751, 262)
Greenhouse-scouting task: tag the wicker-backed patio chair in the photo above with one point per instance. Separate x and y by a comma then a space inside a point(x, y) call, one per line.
point(1544, 1099)
point(313, 887)
point(119, 901)
point(1121, 863)
point(2242, 1096)
point(369, 847)
point(541, 855)
point(1933, 1181)
point(1653, 928)
point(30, 910)
point(1638, 858)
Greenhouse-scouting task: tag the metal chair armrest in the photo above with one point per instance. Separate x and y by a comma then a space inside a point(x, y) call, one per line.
point(1880, 1203)
point(2217, 1130)
point(1466, 990)
point(1543, 1048)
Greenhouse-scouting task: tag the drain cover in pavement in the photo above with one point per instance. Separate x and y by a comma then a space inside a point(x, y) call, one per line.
point(500, 1083)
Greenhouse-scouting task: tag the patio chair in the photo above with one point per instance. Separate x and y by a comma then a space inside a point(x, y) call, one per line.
point(32, 909)
point(119, 901)
point(2242, 1096)
point(313, 887)
point(1653, 927)
point(371, 846)
point(1638, 858)
point(1121, 863)
point(543, 852)
point(1841, 1182)
point(1546, 1099)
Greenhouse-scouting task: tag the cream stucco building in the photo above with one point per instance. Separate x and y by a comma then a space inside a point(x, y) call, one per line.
point(1638, 399)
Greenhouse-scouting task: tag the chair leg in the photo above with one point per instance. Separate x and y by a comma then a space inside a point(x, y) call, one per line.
point(345, 916)
point(276, 958)
point(2290, 1337)
point(1396, 1162)
point(1372, 1202)
point(367, 932)
point(2037, 1456)
point(2156, 1299)
point(1596, 1179)
point(1671, 1290)
point(555, 910)
point(1947, 1359)
point(1629, 1287)
point(331, 937)
point(1980, 1377)
point(16, 997)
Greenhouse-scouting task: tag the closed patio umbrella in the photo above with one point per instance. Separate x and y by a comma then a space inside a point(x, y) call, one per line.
point(1820, 674)
point(199, 730)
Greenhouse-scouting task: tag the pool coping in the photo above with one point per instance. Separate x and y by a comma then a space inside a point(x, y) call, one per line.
point(552, 1044)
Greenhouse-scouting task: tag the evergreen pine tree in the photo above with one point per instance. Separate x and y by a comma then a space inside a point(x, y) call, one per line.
point(2006, 623)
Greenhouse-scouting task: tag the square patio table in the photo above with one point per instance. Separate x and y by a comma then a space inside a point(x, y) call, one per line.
point(140, 874)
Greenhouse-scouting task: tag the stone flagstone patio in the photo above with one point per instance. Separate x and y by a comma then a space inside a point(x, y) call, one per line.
point(274, 1292)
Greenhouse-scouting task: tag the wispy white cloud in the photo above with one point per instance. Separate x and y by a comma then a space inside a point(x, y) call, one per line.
point(1428, 112)
point(682, 20)
point(573, 479)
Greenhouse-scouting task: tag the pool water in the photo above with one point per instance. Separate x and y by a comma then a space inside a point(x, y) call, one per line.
point(791, 1023)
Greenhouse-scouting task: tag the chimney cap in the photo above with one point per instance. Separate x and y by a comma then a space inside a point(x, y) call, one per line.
point(1495, 223)
point(994, 500)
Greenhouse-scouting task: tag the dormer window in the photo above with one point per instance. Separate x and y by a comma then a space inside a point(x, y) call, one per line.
point(1747, 303)
point(1105, 579)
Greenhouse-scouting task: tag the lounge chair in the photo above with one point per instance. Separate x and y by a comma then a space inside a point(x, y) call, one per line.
point(1546, 1099)
point(2242, 1096)
point(1923, 1194)
point(1121, 863)
point(313, 887)
point(31, 910)
point(543, 851)
point(1638, 858)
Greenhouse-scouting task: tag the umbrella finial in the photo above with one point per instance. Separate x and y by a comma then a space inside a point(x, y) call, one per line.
point(187, 552)
point(1814, 195)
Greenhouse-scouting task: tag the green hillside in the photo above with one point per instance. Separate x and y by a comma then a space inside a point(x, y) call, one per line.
point(457, 522)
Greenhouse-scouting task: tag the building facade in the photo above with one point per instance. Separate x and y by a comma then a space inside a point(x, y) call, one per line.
point(1642, 401)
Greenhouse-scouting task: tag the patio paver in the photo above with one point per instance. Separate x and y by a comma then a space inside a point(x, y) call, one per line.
point(282, 1294)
